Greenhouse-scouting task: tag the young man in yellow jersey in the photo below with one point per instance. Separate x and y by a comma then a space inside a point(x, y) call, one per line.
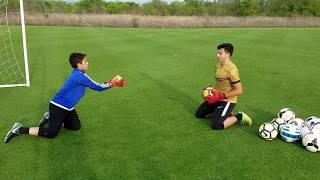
point(228, 87)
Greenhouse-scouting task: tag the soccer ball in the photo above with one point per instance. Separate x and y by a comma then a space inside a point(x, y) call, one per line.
point(312, 121)
point(311, 118)
point(311, 142)
point(316, 128)
point(268, 131)
point(286, 114)
point(208, 92)
point(278, 123)
point(290, 133)
point(305, 130)
point(297, 122)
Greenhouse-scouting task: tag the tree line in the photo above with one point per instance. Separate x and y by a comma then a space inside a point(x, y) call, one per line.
point(281, 8)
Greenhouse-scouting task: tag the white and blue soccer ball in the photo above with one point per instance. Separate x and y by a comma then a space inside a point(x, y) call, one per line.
point(311, 142)
point(286, 114)
point(297, 122)
point(278, 123)
point(268, 131)
point(290, 133)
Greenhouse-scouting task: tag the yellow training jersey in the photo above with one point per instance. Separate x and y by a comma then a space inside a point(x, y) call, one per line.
point(226, 76)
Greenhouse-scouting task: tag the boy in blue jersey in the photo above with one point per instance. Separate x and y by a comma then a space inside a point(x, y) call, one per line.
point(61, 108)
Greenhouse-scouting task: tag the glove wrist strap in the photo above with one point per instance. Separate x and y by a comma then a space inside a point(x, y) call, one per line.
point(110, 84)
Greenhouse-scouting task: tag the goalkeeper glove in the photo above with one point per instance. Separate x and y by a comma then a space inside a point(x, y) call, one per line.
point(117, 81)
point(215, 97)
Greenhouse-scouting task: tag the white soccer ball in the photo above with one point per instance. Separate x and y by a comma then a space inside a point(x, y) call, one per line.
point(278, 123)
point(313, 121)
point(316, 128)
point(290, 133)
point(311, 142)
point(268, 131)
point(305, 130)
point(286, 114)
point(296, 121)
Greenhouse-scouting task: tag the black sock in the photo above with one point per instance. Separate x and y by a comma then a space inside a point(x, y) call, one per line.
point(239, 117)
point(24, 130)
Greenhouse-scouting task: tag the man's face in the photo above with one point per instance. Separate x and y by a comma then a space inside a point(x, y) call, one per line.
point(222, 55)
point(84, 65)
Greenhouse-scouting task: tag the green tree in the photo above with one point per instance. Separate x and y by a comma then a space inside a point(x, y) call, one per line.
point(13, 6)
point(176, 8)
point(315, 7)
point(248, 7)
point(261, 7)
point(91, 6)
point(276, 8)
point(195, 8)
point(117, 7)
point(156, 7)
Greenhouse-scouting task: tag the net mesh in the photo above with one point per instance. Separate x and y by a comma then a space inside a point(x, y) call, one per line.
point(11, 53)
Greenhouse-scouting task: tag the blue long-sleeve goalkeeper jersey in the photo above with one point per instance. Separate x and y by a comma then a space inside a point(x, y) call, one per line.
point(73, 89)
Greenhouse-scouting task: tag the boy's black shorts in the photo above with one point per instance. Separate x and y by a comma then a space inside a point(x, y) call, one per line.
point(57, 118)
point(220, 111)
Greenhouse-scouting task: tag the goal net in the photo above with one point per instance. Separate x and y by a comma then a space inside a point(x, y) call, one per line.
point(13, 50)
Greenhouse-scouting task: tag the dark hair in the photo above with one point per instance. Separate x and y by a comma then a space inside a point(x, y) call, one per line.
point(76, 58)
point(227, 47)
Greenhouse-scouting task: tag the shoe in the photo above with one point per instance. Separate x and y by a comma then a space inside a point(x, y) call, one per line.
point(246, 120)
point(14, 131)
point(44, 120)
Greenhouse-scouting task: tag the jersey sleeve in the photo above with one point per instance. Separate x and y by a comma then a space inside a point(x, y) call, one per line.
point(234, 75)
point(85, 80)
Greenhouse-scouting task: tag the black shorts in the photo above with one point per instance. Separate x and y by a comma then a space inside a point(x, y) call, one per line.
point(57, 118)
point(220, 111)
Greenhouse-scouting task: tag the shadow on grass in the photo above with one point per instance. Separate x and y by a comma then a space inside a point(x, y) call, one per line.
point(173, 94)
point(188, 103)
point(258, 115)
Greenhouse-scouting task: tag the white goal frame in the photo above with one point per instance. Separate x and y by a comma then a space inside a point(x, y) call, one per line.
point(25, 52)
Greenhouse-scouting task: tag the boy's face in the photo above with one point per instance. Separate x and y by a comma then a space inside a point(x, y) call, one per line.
point(222, 55)
point(83, 66)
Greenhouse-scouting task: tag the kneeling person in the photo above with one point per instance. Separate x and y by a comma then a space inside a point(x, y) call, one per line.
point(228, 88)
point(62, 111)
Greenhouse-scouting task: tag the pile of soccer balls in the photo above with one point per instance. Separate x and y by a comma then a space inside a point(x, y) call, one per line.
point(292, 129)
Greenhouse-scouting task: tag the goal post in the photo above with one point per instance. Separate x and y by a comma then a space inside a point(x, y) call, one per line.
point(24, 44)
point(14, 69)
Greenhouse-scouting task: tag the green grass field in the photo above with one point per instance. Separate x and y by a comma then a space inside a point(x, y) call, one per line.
point(147, 130)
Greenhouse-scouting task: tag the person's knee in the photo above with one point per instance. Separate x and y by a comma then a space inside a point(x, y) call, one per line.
point(76, 127)
point(73, 127)
point(52, 133)
point(217, 126)
point(200, 115)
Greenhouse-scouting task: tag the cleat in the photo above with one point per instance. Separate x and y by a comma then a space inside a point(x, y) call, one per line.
point(44, 120)
point(14, 131)
point(246, 120)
